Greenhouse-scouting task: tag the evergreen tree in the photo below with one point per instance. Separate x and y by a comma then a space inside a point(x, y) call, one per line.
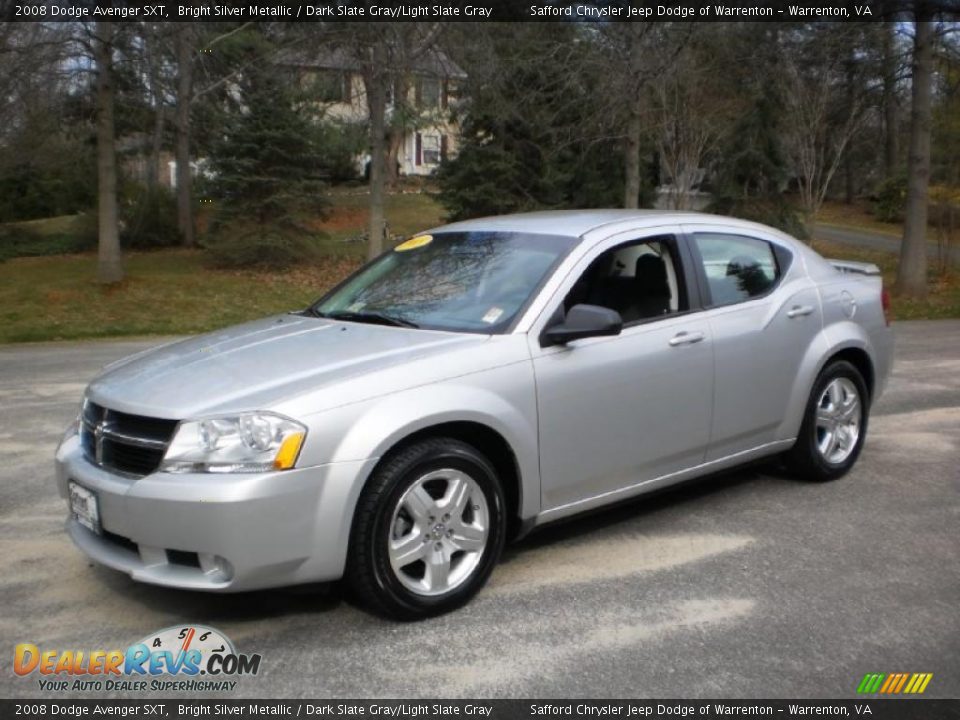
point(530, 136)
point(268, 169)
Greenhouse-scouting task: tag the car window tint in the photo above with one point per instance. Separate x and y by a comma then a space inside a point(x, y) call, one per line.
point(637, 279)
point(738, 268)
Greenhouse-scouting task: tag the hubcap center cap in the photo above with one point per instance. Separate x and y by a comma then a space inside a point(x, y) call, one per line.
point(438, 530)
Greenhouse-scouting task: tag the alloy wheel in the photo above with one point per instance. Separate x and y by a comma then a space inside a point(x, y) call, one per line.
point(438, 532)
point(839, 416)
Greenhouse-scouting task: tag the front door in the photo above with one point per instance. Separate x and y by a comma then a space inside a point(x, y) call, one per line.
point(618, 412)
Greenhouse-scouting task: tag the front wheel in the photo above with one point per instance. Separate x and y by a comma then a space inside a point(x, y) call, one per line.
point(834, 424)
point(428, 530)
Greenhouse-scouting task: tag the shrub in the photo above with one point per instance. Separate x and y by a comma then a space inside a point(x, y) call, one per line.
point(890, 199)
point(148, 219)
point(274, 248)
point(18, 240)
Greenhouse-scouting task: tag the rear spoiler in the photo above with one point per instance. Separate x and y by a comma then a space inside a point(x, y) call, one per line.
point(855, 268)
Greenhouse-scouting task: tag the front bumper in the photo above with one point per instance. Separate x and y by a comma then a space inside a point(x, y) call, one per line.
point(223, 533)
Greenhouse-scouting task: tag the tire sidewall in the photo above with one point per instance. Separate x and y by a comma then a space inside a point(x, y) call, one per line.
point(820, 467)
point(458, 457)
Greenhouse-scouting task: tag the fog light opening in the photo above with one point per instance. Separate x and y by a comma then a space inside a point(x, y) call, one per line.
point(217, 567)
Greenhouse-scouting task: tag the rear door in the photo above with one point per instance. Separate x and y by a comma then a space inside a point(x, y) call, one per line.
point(763, 312)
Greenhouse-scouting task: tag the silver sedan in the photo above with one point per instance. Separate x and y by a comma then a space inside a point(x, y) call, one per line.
point(476, 381)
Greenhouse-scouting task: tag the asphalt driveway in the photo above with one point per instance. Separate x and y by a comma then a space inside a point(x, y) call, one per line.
point(747, 584)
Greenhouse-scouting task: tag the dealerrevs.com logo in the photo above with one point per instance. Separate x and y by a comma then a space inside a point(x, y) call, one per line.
point(200, 658)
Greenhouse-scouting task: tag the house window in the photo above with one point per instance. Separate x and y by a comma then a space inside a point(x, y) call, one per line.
point(330, 86)
point(428, 92)
point(451, 92)
point(431, 149)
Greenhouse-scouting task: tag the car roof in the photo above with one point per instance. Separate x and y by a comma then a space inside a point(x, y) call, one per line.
point(576, 223)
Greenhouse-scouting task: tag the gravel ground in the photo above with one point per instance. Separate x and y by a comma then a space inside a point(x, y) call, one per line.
point(746, 584)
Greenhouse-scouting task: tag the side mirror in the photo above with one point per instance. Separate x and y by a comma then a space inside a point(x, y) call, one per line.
point(583, 321)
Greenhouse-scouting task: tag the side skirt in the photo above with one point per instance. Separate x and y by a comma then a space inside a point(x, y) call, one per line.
point(640, 488)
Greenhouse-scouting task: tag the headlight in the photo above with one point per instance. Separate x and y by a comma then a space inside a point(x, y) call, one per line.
point(247, 443)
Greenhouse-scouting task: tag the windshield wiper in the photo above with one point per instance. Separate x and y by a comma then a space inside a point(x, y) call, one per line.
point(368, 317)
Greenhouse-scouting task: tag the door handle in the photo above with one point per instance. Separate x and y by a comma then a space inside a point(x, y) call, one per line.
point(686, 338)
point(799, 311)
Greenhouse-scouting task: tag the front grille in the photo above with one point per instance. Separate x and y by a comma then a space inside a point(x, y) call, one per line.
point(130, 444)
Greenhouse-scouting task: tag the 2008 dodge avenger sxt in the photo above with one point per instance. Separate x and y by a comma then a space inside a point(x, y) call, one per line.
point(475, 381)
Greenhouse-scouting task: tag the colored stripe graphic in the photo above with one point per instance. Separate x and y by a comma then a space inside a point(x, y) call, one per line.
point(870, 683)
point(903, 679)
point(891, 681)
point(894, 683)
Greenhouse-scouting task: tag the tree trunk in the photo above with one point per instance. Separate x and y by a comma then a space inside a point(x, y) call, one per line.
point(849, 181)
point(156, 141)
point(890, 124)
point(631, 160)
point(109, 261)
point(156, 147)
point(376, 98)
point(848, 177)
point(397, 130)
point(912, 273)
point(391, 165)
point(182, 145)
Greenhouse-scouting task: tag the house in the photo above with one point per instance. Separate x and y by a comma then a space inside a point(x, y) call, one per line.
point(421, 132)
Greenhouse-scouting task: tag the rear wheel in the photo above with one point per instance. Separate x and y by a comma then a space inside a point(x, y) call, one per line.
point(834, 425)
point(428, 530)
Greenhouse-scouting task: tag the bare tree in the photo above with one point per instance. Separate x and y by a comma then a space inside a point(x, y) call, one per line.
point(912, 272)
point(632, 56)
point(693, 112)
point(384, 52)
point(821, 114)
point(890, 63)
point(109, 261)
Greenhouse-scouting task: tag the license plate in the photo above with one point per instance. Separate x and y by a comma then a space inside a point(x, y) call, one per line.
point(83, 506)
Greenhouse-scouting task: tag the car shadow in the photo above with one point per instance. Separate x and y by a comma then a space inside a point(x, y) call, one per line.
point(634, 508)
point(322, 598)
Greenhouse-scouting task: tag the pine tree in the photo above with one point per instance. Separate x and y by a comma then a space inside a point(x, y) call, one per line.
point(268, 169)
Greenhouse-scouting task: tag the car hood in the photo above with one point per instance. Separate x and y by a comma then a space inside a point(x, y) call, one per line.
point(260, 363)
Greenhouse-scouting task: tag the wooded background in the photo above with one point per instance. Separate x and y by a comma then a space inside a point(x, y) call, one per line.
point(766, 120)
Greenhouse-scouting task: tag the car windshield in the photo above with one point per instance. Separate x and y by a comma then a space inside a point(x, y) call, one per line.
point(460, 281)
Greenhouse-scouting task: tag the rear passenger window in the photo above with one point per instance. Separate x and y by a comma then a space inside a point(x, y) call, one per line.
point(738, 268)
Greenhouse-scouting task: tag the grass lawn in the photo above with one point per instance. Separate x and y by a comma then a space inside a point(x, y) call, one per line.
point(857, 216)
point(167, 292)
point(171, 292)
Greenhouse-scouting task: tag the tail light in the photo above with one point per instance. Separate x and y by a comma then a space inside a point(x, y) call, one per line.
point(885, 302)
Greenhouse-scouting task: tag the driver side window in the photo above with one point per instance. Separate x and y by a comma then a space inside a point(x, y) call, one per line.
point(639, 279)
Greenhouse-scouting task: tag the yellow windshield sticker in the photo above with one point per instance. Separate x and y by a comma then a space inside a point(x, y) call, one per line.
point(414, 243)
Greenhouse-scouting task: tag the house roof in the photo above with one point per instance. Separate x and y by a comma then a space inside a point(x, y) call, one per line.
point(433, 62)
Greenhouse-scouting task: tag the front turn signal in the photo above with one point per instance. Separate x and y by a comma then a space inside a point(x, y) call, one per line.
point(289, 451)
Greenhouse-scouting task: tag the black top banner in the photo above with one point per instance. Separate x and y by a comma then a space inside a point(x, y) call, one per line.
point(479, 10)
point(176, 708)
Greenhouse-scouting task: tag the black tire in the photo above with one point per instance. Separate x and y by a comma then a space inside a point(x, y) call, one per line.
point(805, 460)
point(369, 574)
